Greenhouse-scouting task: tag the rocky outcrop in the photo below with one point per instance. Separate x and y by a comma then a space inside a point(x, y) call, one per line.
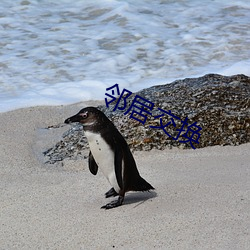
point(219, 105)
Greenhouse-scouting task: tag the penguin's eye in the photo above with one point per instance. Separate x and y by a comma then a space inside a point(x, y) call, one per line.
point(84, 115)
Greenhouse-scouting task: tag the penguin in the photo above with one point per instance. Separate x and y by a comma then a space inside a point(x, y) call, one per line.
point(110, 152)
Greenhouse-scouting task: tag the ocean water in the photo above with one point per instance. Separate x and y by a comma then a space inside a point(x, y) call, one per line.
point(61, 52)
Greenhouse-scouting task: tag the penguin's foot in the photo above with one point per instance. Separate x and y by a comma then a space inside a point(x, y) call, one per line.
point(113, 204)
point(111, 193)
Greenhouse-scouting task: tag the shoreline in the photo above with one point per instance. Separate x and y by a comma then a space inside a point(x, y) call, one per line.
point(201, 198)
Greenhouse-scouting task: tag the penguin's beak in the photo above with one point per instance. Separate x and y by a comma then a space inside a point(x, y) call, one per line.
point(74, 118)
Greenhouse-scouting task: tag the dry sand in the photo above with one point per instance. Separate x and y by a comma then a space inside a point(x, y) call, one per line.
point(201, 201)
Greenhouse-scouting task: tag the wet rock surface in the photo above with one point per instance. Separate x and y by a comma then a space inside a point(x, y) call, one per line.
point(219, 105)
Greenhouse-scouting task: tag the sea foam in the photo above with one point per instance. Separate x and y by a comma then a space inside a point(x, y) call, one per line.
point(63, 52)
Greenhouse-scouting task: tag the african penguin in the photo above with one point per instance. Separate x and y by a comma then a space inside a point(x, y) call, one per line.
point(110, 152)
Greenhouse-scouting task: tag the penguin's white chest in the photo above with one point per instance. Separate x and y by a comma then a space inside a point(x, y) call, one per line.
point(104, 157)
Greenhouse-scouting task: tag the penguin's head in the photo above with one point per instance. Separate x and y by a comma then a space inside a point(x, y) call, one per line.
point(88, 117)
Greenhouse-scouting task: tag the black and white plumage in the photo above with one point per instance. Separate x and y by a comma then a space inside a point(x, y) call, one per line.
point(110, 152)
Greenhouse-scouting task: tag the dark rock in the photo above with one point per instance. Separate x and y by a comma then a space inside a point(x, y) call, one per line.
point(220, 105)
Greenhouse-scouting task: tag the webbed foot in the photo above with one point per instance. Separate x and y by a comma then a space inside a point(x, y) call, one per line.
point(113, 204)
point(111, 193)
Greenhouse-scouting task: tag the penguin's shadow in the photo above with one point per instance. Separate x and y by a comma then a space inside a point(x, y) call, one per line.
point(137, 198)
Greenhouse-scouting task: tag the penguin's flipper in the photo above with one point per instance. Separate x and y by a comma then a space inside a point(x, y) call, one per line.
point(111, 193)
point(118, 166)
point(93, 167)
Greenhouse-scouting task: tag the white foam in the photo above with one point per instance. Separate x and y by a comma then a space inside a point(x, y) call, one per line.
point(242, 67)
point(61, 52)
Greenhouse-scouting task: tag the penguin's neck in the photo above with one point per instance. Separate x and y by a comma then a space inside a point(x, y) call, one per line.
point(93, 127)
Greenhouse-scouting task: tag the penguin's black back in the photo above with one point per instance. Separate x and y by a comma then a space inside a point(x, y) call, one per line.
point(132, 180)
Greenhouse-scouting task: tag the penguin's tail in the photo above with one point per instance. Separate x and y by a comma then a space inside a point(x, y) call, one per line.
point(141, 185)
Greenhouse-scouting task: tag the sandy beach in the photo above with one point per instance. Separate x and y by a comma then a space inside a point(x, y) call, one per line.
point(201, 198)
